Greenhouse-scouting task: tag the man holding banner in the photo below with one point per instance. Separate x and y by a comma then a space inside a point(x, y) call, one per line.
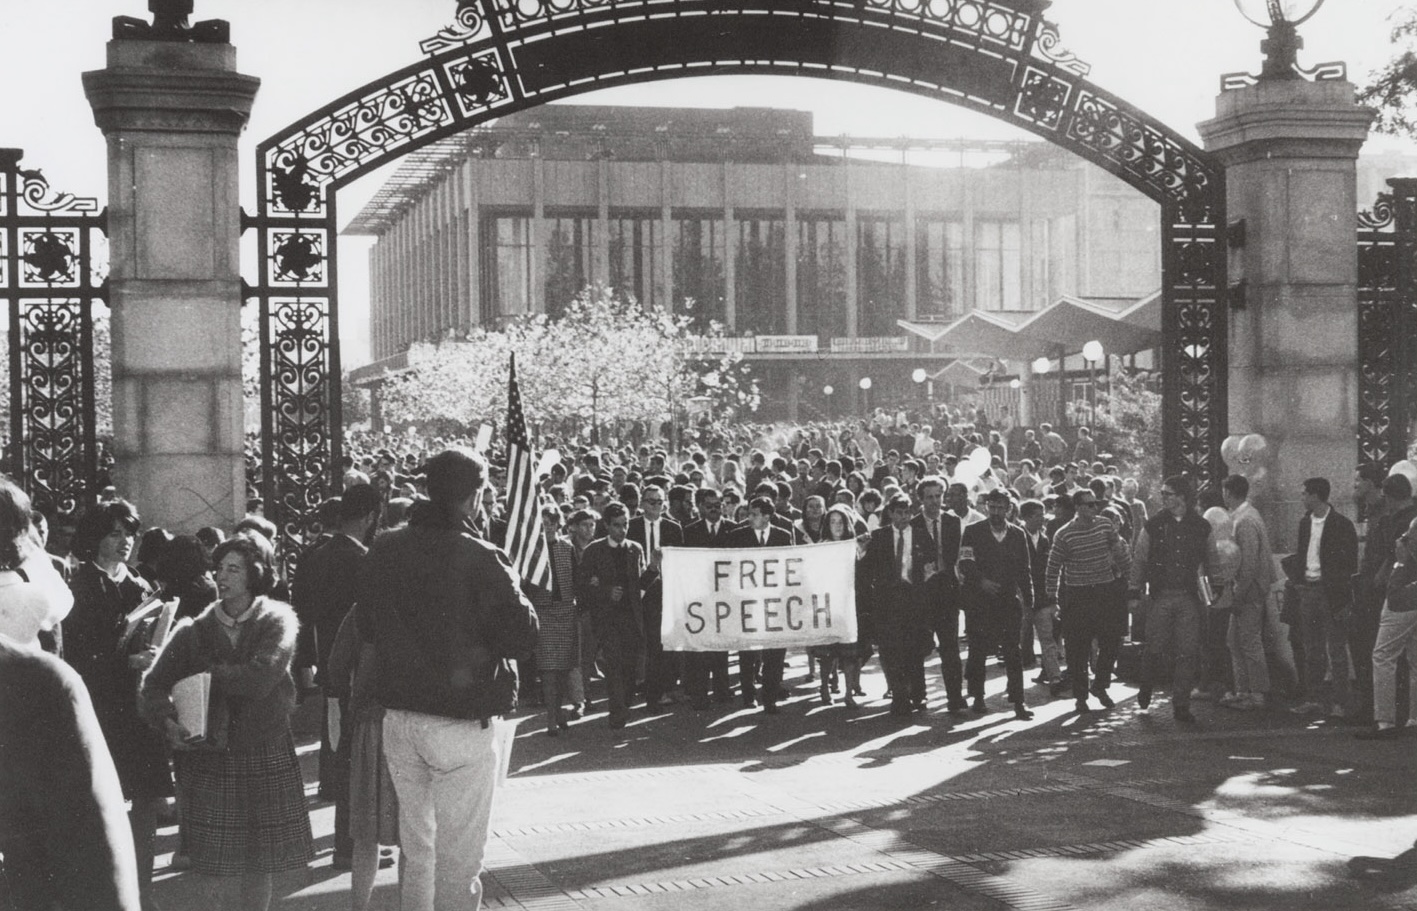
point(709, 530)
point(899, 562)
point(761, 532)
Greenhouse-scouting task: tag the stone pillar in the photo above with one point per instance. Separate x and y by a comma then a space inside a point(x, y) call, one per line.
point(1289, 147)
point(171, 112)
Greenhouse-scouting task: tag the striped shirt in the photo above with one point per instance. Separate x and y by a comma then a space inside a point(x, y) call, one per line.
point(1085, 556)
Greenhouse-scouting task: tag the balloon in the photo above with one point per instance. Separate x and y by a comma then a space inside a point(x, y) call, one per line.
point(548, 458)
point(1230, 451)
point(1254, 447)
point(980, 457)
point(967, 472)
point(1407, 470)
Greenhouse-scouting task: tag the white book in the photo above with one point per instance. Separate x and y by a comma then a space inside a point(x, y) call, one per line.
point(192, 696)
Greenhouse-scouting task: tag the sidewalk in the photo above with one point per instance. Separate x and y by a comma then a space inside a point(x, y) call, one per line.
point(820, 807)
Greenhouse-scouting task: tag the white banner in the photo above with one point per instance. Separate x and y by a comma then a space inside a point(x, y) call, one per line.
point(718, 600)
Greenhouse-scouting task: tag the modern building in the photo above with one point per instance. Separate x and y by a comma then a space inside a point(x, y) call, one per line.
point(826, 259)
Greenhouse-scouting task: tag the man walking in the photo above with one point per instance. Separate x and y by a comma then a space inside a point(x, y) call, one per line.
point(761, 532)
point(711, 530)
point(1171, 552)
point(1250, 596)
point(446, 615)
point(653, 531)
point(941, 588)
point(895, 566)
point(1321, 570)
point(608, 582)
point(993, 562)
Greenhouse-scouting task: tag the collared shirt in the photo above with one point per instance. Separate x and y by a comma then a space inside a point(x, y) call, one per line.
point(232, 626)
point(901, 540)
point(652, 534)
point(763, 537)
point(1312, 570)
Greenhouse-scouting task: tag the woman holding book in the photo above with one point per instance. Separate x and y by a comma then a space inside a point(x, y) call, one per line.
point(244, 805)
point(98, 644)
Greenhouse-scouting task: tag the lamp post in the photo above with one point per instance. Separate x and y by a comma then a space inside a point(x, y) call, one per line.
point(1041, 366)
point(827, 391)
point(919, 376)
point(1092, 353)
point(865, 385)
point(1281, 20)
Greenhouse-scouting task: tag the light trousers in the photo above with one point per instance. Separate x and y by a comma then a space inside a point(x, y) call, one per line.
point(1246, 641)
point(1397, 633)
point(445, 774)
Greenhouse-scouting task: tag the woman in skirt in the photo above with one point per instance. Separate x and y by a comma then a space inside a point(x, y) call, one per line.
point(840, 525)
point(245, 816)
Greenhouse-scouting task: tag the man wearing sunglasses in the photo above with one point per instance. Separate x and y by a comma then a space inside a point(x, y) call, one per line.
point(1172, 550)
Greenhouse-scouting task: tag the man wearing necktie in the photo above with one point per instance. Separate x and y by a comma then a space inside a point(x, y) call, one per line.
point(895, 563)
point(760, 532)
point(655, 531)
point(710, 530)
point(941, 585)
point(608, 581)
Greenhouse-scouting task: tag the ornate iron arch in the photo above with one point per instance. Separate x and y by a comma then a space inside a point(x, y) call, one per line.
point(1000, 57)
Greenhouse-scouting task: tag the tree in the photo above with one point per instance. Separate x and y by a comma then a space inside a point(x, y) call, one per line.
point(605, 359)
point(1126, 424)
point(1393, 88)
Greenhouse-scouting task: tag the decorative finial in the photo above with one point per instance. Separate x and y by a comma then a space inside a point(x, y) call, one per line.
point(170, 24)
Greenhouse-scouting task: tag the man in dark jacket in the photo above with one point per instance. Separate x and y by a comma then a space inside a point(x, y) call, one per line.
point(896, 565)
point(711, 530)
point(941, 590)
point(446, 614)
point(654, 531)
point(761, 532)
point(609, 579)
point(1321, 569)
point(997, 589)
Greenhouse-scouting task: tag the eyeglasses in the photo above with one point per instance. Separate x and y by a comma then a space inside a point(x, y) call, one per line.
point(652, 502)
point(1088, 503)
point(1168, 493)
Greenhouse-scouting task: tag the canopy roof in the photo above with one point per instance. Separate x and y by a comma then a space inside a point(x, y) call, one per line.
point(1122, 325)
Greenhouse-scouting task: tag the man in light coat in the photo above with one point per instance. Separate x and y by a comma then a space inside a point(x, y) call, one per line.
point(1253, 578)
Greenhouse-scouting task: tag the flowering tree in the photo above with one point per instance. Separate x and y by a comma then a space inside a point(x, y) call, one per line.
point(603, 359)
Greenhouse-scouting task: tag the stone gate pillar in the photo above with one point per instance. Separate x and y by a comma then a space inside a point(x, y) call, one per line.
point(1289, 147)
point(171, 109)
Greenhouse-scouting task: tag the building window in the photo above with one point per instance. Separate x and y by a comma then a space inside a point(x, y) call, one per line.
point(760, 279)
point(1043, 283)
point(821, 277)
point(997, 266)
point(506, 276)
point(698, 250)
point(635, 251)
point(570, 259)
point(880, 274)
point(939, 268)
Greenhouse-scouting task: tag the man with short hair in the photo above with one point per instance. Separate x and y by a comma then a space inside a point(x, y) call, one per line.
point(767, 663)
point(1172, 550)
point(994, 567)
point(940, 589)
point(446, 616)
point(1052, 447)
point(1042, 619)
point(1376, 539)
point(1249, 593)
point(894, 569)
point(957, 501)
point(608, 583)
point(1321, 570)
point(1397, 636)
point(710, 530)
point(653, 531)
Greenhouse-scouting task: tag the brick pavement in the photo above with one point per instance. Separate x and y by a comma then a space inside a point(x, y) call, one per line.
point(821, 808)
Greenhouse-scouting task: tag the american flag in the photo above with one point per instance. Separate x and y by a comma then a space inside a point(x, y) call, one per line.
point(526, 542)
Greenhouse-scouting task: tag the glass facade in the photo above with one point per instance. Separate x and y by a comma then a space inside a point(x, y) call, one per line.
point(760, 277)
point(636, 247)
point(699, 254)
point(570, 259)
point(998, 252)
point(880, 274)
point(506, 273)
point(939, 268)
point(821, 277)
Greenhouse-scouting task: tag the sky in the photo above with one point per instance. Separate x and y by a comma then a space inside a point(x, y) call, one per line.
point(1161, 55)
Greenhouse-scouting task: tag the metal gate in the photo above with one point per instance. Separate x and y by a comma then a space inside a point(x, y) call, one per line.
point(49, 285)
point(1387, 296)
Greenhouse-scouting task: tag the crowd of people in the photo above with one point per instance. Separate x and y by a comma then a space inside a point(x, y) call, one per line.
point(406, 615)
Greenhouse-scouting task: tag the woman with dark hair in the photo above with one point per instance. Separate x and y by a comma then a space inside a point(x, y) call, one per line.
point(105, 590)
point(184, 572)
point(33, 596)
point(840, 524)
point(245, 816)
point(150, 547)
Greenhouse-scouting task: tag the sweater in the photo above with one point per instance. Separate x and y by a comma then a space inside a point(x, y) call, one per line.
point(251, 680)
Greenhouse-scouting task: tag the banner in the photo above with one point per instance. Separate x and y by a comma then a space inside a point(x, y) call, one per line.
point(718, 600)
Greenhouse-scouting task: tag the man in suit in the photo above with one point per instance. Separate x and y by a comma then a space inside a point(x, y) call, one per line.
point(1321, 569)
point(654, 531)
point(323, 591)
point(761, 532)
point(941, 590)
point(896, 563)
point(1254, 576)
point(711, 530)
point(608, 582)
point(996, 574)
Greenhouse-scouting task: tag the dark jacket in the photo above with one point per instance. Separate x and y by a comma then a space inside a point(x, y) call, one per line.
point(670, 535)
point(982, 556)
point(446, 615)
point(1038, 565)
point(745, 536)
point(1338, 558)
point(696, 534)
point(64, 831)
point(601, 565)
point(899, 610)
point(324, 589)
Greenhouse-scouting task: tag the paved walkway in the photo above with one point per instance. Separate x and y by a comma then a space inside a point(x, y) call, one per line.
point(822, 808)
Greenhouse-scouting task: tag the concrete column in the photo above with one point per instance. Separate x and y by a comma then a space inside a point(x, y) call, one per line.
point(1289, 147)
point(789, 262)
point(472, 316)
point(666, 235)
point(853, 315)
point(537, 304)
point(171, 113)
point(601, 271)
point(912, 293)
point(730, 258)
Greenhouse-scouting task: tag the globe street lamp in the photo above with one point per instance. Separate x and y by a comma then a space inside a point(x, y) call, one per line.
point(919, 376)
point(1281, 20)
point(865, 385)
point(1092, 353)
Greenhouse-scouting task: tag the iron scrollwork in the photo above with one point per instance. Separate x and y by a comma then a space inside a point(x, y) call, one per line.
point(1387, 367)
point(50, 286)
